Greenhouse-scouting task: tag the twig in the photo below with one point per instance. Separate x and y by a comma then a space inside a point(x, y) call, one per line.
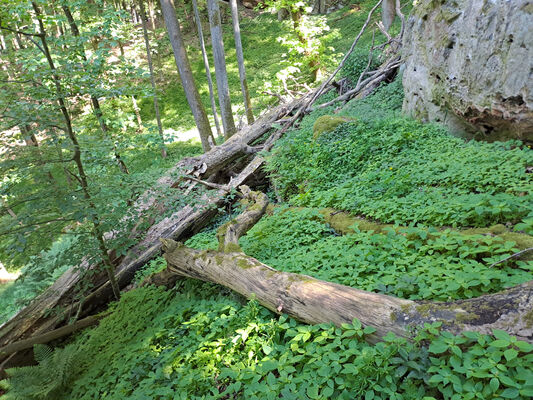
point(208, 184)
point(376, 76)
point(512, 256)
point(273, 95)
point(383, 30)
point(21, 32)
point(370, 54)
point(402, 18)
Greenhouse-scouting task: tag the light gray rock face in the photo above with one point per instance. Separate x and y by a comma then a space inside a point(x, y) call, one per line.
point(469, 64)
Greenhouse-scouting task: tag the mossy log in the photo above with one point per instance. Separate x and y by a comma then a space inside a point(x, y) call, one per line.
point(315, 301)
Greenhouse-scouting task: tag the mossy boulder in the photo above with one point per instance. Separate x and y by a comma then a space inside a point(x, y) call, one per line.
point(327, 123)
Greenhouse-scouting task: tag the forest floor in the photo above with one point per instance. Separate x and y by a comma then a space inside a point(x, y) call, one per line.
point(410, 211)
point(425, 217)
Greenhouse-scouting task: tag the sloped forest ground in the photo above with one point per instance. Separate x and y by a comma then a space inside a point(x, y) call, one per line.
point(138, 148)
point(382, 203)
point(429, 215)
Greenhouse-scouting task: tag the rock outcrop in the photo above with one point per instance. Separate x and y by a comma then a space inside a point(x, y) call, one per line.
point(469, 64)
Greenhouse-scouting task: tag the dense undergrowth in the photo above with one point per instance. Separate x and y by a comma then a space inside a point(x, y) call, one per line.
point(201, 341)
point(401, 171)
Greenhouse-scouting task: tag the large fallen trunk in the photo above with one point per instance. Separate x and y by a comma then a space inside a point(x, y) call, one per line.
point(314, 301)
point(36, 318)
point(215, 166)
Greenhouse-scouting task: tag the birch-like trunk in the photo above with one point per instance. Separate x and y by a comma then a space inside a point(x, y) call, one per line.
point(184, 68)
point(152, 78)
point(206, 65)
point(220, 68)
point(240, 61)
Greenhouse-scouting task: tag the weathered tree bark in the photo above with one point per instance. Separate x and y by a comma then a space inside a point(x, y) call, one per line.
point(388, 12)
point(221, 72)
point(184, 68)
point(50, 336)
point(314, 301)
point(152, 78)
point(319, 7)
point(240, 62)
point(206, 65)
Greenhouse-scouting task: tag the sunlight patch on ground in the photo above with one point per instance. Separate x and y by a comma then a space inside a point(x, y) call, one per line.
point(172, 135)
point(7, 276)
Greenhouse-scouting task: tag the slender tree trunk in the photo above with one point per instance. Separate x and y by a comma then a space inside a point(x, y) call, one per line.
point(94, 100)
point(98, 232)
point(206, 65)
point(3, 45)
point(220, 69)
point(184, 68)
point(283, 14)
point(137, 113)
point(388, 12)
point(18, 38)
point(151, 11)
point(240, 62)
point(319, 7)
point(152, 79)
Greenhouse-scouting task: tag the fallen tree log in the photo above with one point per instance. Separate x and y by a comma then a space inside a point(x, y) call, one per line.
point(314, 301)
point(52, 335)
point(215, 166)
point(36, 318)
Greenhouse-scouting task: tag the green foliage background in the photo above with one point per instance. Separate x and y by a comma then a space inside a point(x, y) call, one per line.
point(412, 186)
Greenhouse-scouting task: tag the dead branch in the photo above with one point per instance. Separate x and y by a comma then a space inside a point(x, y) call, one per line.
point(515, 255)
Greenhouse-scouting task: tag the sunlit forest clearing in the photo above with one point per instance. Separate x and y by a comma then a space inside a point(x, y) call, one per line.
point(266, 199)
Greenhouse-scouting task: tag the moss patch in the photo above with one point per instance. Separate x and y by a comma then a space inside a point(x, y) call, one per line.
point(232, 248)
point(244, 264)
point(343, 222)
point(327, 123)
point(529, 319)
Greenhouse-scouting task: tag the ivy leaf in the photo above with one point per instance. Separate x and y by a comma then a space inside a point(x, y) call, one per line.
point(438, 347)
point(510, 354)
point(510, 393)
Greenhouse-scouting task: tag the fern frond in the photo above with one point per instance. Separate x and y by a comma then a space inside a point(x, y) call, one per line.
point(41, 352)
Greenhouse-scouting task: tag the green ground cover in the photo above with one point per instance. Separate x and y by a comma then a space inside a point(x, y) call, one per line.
point(201, 341)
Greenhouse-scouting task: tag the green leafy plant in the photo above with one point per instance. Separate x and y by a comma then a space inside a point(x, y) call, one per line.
point(45, 381)
point(401, 171)
point(200, 343)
